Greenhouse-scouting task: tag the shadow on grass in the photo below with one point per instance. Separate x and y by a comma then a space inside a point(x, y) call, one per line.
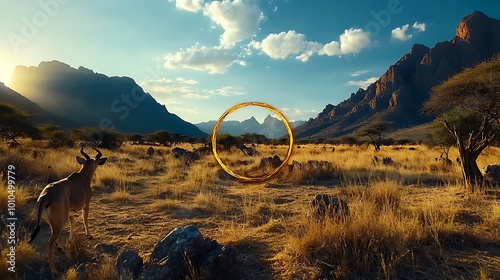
point(363, 176)
point(253, 255)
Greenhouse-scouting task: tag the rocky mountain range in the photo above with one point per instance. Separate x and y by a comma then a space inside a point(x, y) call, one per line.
point(271, 127)
point(54, 92)
point(97, 100)
point(397, 96)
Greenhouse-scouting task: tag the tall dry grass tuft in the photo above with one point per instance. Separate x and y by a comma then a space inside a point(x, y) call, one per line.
point(212, 201)
point(308, 172)
point(20, 194)
point(384, 195)
point(25, 257)
point(70, 274)
point(200, 176)
point(379, 239)
point(105, 270)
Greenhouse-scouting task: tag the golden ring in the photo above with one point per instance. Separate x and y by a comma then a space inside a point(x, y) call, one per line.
point(236, 107)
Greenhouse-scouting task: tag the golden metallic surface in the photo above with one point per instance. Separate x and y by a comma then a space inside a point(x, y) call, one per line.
point(258, 104)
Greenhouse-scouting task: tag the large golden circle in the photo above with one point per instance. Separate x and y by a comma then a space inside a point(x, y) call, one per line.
point(236, 107)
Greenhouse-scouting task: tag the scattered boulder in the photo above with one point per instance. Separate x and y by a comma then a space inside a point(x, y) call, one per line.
point(273, 162)
point(384, 161)
point(387, 161)
point(129, 264)
point(185, 251)
point(182, 153)
point(178, 152)
point(492, 174)
point(325, 205)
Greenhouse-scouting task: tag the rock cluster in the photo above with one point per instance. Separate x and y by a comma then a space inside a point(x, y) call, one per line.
point(183, 252)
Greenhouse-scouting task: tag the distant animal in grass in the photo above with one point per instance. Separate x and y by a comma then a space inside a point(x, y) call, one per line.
point(150, 152)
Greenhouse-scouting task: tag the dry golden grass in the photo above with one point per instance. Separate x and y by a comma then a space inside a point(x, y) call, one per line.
point(25, 258)
point(408, 220)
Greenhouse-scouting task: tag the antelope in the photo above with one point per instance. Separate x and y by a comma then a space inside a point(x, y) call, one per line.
point(150, 152)
point(59, 201)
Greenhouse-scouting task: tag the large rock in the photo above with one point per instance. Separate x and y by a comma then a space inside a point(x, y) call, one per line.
point(129, 264)
point(492, 174)
point(185, 252)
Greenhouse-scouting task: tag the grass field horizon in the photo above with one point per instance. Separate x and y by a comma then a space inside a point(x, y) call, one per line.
point(411, 219)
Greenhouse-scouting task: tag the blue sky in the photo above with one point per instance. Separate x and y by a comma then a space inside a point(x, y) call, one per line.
point(201, 57)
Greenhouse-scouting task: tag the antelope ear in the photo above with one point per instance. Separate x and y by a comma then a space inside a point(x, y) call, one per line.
point(80, 160)
point(101, 161)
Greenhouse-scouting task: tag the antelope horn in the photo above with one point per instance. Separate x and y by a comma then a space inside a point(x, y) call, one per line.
point(99, 154)
point(83, 153)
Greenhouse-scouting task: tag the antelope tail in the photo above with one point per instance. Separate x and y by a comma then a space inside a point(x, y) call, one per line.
point(41, 205)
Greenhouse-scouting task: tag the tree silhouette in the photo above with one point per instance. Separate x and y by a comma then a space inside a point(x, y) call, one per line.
point(161, 137)
point(14, 123)
point(374, 131)
point(56, 136)
point(226, 141)
point(468, 105)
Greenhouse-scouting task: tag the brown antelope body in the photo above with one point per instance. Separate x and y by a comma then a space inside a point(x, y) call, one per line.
point(61, 200)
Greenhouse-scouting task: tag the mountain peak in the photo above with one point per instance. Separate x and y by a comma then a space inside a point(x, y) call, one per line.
point(418, 49)
point(472, 26)
point(268, 118)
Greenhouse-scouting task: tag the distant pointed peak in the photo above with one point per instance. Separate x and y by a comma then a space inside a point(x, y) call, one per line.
point(471, 25)
point(83, 69)
point(268, 117)
point(419, 49)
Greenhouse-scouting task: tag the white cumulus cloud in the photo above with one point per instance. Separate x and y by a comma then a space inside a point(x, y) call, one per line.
point(420, 27)
point(240, 19)
point(358, 73)
point(399, 33)
point(215, 60)
point(363, 83)
point(282, 45)
point(294, 114)
point(351, 41)
point(189, 5)
point(170, 87)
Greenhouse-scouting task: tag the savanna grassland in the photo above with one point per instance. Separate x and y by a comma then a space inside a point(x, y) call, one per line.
point(410, 219)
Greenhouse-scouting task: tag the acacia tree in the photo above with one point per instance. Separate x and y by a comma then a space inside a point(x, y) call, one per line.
point(374, 131)
point(14, 123)
point(440, 138)
point(468, 105)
